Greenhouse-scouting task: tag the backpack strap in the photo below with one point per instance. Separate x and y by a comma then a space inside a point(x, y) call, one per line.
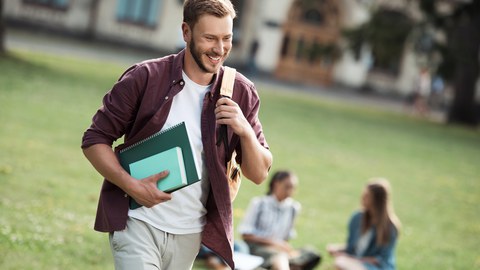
point(232, 168)
point(226, 90)
point(228, 80)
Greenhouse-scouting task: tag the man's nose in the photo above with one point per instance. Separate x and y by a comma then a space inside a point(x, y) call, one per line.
point(219, 47)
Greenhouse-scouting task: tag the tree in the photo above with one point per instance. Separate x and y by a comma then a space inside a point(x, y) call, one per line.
point(459, 53)
point(2, 29)
point(386, 33)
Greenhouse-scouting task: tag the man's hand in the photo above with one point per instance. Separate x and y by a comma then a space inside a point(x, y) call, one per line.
point(227, 112)
point(146, 192)
point(256, 160)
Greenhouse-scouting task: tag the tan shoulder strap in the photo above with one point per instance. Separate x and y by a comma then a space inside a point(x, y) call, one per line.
point(227, 82)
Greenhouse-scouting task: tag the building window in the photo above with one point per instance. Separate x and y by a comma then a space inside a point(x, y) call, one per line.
point(285, 45)
point(54, 4)
point(145, 12)
point(313, 16)
point(300, 49)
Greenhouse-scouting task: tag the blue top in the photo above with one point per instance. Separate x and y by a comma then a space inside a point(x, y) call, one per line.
point(384, 254)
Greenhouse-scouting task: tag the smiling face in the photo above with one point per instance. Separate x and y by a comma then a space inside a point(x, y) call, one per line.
point(208, 45)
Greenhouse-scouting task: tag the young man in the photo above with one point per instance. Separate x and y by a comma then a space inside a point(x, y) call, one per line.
point(154, 95)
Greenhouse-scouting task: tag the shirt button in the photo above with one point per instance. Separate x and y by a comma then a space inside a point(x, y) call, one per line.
point(126, 195)
point(166, 97)
point(181, 83)
point(173, 81)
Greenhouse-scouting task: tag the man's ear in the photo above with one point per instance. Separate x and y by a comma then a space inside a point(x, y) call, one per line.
point(186, 32)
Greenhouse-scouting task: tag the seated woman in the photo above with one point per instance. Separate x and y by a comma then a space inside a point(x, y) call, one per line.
point(269, 224)
point(372, 232)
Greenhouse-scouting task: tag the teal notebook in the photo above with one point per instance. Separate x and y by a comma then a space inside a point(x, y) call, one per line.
point(171, 160)
point(175, 136)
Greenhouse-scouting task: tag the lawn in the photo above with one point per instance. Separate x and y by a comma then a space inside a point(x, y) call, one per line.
point(49, 191)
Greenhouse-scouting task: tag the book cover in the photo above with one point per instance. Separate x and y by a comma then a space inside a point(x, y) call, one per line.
point(175, 136)
point(171, 160)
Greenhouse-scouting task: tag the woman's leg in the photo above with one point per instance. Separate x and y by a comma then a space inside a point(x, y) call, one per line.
point(344, 262)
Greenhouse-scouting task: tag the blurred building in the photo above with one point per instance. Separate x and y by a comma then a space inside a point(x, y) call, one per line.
point(294, 40)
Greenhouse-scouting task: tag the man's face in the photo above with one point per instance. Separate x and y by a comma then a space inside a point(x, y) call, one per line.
point(210, 42)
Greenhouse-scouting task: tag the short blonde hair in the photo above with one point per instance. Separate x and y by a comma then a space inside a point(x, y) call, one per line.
point(194, 9)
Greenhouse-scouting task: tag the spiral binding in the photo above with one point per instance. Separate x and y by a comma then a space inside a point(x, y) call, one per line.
point(150, 137)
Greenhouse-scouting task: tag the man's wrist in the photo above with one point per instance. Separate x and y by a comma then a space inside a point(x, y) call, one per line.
point(249, 134)
point(129, 184)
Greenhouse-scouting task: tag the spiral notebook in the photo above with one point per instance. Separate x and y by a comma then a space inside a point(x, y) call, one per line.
point(168, 149)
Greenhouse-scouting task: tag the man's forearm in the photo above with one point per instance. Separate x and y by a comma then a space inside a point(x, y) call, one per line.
point(256, 159)
point(103, 159)
point(145, 192)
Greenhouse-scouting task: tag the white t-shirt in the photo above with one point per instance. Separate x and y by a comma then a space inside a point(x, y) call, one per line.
point(363, 242)
point(185, 213)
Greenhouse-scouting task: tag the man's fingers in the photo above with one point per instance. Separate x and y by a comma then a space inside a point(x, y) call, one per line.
point(227, 111)
point(224, 101)
point(222, 115)
point(153, 195)
point(158, 199)
point(158, 176)
point(156, 195)
point(225, 108)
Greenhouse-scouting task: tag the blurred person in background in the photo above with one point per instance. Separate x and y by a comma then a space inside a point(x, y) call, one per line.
point(268, 225)
point(422, 92)
point(438, 87)
point(372, 232)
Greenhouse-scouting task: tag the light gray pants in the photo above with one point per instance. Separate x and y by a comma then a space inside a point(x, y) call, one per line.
point(143, 247)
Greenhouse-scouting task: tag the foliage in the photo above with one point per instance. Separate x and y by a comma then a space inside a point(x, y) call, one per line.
point(459, 53)
point(386, 33)
point(49, 191)
point(453, 57)
point(446, 23)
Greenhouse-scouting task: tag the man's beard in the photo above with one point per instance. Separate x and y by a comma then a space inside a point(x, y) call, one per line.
point(197, 57)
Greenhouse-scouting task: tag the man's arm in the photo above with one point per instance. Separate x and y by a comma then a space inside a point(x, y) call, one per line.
point(256, 159)
point(145, 191)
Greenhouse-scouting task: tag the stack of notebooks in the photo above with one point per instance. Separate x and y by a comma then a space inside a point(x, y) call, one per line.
point(169, 149)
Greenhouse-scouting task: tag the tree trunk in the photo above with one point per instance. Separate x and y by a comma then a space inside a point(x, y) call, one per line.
point(2, 29)
point(465, 46)
point(463, 108)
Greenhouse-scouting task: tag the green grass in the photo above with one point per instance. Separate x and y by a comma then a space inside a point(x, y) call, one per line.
point(49, 191)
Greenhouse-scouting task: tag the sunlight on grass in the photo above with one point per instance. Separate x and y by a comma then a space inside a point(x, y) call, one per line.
point(49, 191)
